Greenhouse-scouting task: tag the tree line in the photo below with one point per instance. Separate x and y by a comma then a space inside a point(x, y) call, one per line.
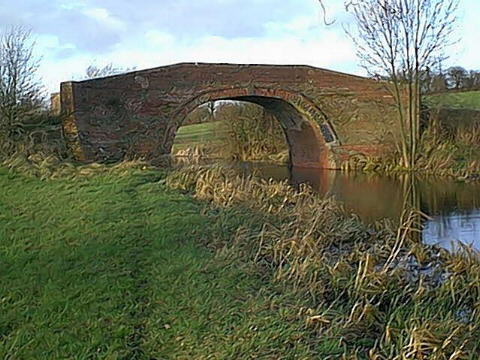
point(454, 78)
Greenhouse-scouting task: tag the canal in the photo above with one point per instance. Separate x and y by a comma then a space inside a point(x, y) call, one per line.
point(452, 208)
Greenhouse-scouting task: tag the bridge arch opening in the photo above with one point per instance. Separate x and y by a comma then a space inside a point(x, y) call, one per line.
point(230, 130)
point(304, 136)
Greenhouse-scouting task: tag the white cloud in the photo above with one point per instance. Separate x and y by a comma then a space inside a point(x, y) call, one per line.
point(300, 24)
point(46, 43)
point(159, 38)
point(72, 4)
point(329, 51)
point(129, 38)
point(104, 17)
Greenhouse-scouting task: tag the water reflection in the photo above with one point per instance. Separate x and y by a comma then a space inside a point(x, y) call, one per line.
point(453, 208)
point(448, 229)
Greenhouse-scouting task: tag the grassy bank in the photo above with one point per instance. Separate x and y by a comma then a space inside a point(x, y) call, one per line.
point(128, 262)
point(455, 100)
point(113, 266)
point(371, 292)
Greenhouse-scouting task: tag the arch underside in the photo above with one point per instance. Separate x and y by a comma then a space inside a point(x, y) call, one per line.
point(306, 142)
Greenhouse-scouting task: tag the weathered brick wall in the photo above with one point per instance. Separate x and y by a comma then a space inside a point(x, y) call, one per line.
point(139, 113)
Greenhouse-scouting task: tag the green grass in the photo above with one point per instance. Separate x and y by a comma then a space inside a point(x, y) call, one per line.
point(112, 264)
point(112, 267)
point(456, 100)
point(200, 134)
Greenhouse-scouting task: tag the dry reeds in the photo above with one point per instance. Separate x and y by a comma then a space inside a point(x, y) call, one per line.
point(441, 152)
point(49, 166)
point(254, 134)
point(379, 291)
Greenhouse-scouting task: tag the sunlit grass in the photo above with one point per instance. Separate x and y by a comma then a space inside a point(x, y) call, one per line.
point(111, 266)
point(200, 135)
point(456, 100)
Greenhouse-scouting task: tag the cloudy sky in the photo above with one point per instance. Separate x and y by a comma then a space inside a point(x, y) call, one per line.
point(72, 34)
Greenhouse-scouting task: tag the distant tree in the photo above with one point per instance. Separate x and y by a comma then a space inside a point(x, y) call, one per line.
point(457, 77)
point(93, 71)
point(426, 77)
point(400, 39)
point(21, 91)
point(472, 82)
point(438, 83)
point(435, 81)
point(476, 79)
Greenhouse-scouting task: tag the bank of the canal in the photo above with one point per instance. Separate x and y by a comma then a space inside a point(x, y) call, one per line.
point(112, 263)
point(452, 208)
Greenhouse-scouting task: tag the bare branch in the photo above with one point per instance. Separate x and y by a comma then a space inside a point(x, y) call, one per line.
point(400, 40)
point(93, 71)
point(21, 91)
point(324, 12)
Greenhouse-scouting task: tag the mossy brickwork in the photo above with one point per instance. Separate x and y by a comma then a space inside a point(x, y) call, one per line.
point(327, 116)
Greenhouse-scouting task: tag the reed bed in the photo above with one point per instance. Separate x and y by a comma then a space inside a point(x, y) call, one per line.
point(450, 153)
point(366, 291)
point(253, 134)
point(442, 152)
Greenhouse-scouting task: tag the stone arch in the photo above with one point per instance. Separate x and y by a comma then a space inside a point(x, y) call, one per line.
point(307, 130)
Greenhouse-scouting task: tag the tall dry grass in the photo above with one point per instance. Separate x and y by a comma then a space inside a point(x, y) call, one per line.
point(253, 133)
point(442, 152)
point(46, 165)
point(453, 153)
point(376, 290)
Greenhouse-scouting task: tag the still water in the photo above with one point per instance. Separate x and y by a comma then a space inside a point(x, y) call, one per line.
point(453, 208)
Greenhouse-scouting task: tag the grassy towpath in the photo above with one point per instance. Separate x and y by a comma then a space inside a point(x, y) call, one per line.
point(112, 267)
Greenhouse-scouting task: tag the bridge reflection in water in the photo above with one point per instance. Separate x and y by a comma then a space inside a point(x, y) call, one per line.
point(453, 208)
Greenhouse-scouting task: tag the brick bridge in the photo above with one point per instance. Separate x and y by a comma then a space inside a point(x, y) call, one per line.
point(327, 116)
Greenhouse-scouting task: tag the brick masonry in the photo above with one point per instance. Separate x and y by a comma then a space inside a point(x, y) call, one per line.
point(327, 116)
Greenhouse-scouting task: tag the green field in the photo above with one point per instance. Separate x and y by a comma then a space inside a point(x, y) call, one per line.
point(200, 134)
point(456, 100)
point(114, 267)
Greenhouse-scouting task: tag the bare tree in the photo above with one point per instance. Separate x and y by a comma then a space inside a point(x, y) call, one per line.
point(400, 39)
point(474, 80)
point(457, 77)
point(438, 83)
point(21, 91)
point(93, 71)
